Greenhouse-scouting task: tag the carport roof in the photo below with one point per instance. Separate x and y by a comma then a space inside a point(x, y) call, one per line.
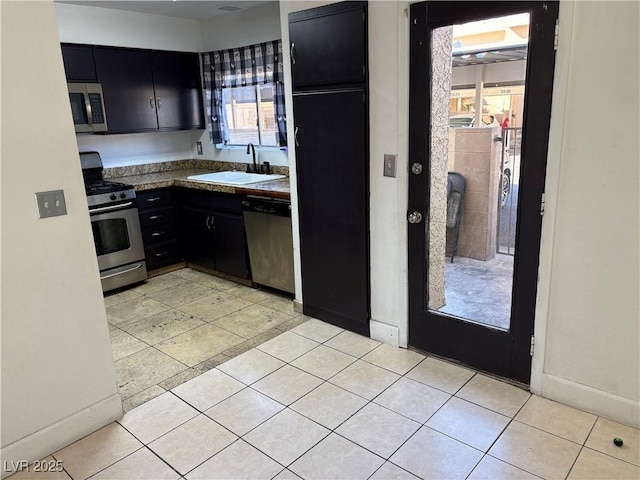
point(493, 55)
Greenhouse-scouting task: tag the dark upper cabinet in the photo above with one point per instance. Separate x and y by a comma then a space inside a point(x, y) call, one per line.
point(127, 86)
point(176, 80)
point(149, 90)
point(78, 63)
point(332, 166)
point(328, 45)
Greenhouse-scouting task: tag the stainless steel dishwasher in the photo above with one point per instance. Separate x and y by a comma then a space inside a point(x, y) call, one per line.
point(268, 225)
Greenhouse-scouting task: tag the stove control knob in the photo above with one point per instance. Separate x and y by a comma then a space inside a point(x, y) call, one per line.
point(123, 195)
point(113, 196)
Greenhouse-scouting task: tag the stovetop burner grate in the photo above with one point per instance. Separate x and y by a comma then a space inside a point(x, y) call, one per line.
point(105, 186)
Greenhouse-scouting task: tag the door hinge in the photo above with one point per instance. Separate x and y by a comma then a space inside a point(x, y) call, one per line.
point(364, 17)
point(542, 205)
point(556, 35)
point(532, 345)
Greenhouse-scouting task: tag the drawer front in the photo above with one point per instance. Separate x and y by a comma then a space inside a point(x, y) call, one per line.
point(162, 255)
point(153, 199)
point(227, 203)
point(211, 201)
point(158, 234)
point(149, 218)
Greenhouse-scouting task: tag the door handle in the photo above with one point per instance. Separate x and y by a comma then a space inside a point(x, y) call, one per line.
point(151, 103)
point(293, 53)
point(295, 137)
point(158, 102)
point(415, 217)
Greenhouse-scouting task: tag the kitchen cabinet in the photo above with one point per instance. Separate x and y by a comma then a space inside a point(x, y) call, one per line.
point(157, 222)
point(148, 90)
point(212, 230)
point(176, 79)
point(333, 206)
point(78, 63)
point(330, 107)
point(328, 45)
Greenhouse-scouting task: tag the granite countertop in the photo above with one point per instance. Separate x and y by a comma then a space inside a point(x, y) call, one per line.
point(178, 178)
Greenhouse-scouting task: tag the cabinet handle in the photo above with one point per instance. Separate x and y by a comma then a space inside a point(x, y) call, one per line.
point(154, 199)
point(161, 254)
point(157, 234)
point(206, 222)
point(155, 217)
point(213, 222)
point(293, 53)
point(295, 137)
point(151, 104)
point(158, 102)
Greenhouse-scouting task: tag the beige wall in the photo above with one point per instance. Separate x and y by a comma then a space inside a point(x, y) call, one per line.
point(588, 306)
point(58, 378)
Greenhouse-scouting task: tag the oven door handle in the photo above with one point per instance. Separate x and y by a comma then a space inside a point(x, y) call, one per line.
point(122, 272)
point(111, 208)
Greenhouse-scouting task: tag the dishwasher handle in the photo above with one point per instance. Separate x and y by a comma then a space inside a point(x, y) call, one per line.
point(280, 208)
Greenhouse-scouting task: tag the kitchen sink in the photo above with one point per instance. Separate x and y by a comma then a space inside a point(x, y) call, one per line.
point(235, 178)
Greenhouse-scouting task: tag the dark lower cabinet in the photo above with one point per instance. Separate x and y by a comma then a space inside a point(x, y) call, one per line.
point(212, 230)
point(157, 221)
point(198, 237)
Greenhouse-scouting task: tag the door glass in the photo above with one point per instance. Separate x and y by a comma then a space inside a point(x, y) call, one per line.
point(78, 109)
point(110, 235)
point(478, 77)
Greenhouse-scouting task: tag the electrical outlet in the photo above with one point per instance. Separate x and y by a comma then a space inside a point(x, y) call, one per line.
point(389, 165)
point(51, 204)
point(199, 147)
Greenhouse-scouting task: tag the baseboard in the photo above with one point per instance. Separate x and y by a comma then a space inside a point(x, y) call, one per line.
point(297, 306)
point(44, 442)
point(598, 402)
point(384, 333)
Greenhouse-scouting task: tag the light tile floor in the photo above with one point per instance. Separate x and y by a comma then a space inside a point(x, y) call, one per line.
point(346, 407)
point(179, 325)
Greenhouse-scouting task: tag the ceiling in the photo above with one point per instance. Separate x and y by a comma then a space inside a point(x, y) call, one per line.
point(196, 10)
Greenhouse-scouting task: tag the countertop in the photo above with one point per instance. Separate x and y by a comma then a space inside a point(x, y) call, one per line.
point(178, 178)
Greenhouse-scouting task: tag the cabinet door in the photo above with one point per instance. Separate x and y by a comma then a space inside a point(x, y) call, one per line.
point(328, 44)
point(78, 63)
point(176, 78)
point(332, 168)
point(230, 245)
point(127, 86)
point(198, 237)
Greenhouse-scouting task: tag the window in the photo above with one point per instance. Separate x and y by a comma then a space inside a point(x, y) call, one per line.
point(250, 115)
point(244, 94)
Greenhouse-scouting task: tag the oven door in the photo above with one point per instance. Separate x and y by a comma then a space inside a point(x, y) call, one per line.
point(117, 235)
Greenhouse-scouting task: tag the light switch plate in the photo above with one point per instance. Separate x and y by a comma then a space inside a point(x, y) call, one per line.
point(199, 147)
point(51, 204)
point(389, 165)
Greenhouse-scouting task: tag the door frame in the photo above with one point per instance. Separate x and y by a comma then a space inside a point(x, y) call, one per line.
point(483, 348)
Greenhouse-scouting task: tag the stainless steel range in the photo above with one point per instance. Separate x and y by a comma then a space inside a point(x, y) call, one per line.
point(115, 225)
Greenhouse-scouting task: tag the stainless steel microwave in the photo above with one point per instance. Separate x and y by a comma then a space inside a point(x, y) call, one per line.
point(87, 107)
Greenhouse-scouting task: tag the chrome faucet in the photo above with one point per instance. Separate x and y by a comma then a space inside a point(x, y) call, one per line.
point(251, 149)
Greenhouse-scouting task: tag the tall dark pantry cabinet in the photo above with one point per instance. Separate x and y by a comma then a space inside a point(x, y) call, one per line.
point(330, 104)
